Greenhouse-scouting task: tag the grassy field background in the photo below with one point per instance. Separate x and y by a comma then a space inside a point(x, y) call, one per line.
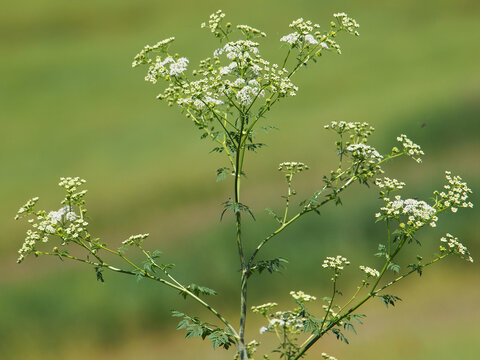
point(70, 105)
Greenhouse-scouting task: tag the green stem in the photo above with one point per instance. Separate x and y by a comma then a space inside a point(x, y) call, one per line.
point(242, 349)
point(289, 194)
point(330, 304)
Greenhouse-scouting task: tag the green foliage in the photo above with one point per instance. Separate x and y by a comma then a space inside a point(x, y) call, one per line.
point(99, 272)
point(236, 207)
point(222, 173)
point(273, 265)
point(339, 335)
point(194, 327)
point(197, 290)
point(394, 267)
point(274, 214)
point(388, 299)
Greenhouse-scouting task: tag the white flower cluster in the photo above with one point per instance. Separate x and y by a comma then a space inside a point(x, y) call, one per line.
point(214, 21)
point(347, 23)
point(369, 271)
point(54, 220)
point(303, 26)
point(236, 77)
point(54, 217)
point(417, 211)
point(302, 297)
point(179, 66)
point(303, 36)
point(364, 152)
point(455, 247)
point(456, 193)
point(64, 222)
point(328, 357)
point(291, 38)
point(336, 263)
point(241, 50)
point(388, 184)
point(228, 69)
point(307, 36)
point(263, 309)
point(245, 58)
point(211, 102)
point(27, 208)
point(288, 320)
point(252, 76)
point(410, 148)
point(292, 167)
point(135, 239)
point(76, 229)
point(249, 93)
point(166, 67)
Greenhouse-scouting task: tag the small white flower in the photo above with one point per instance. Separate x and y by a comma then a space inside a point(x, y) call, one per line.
point(410, 148)
point(456, 247)
point(55, 216)
point(178, 67)
point(365, 151)
point(290, 38)
point(302, 297)
point(71, 216)
point(336, 263)
point(369, 271)
point(310, 40)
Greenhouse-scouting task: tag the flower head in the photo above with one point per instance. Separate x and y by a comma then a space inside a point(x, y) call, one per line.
point(336, 263)
point(455, 195)
point(302, 297)
point(410, 148)
point(455, 247)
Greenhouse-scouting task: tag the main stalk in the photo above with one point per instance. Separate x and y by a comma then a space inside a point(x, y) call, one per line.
point(242, 349)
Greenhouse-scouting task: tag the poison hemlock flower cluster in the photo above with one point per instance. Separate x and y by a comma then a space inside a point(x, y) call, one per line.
point(227, 98)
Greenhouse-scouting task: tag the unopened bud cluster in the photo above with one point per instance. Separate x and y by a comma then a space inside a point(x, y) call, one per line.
point(263, 309)
point(135, 239)
point(292, 167)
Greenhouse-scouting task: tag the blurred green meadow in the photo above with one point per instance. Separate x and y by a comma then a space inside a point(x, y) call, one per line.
point(71, 105)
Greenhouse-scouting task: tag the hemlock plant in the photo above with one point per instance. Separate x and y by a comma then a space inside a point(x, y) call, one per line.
point(227, 98)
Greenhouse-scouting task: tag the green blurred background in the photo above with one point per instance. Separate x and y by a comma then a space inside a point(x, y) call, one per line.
point(72, 106)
